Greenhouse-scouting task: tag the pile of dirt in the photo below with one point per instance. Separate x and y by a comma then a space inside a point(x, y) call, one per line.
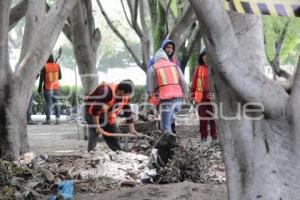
point(195, 163)
point(100, 170)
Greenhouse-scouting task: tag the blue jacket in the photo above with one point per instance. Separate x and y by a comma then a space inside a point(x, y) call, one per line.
point(151, 61)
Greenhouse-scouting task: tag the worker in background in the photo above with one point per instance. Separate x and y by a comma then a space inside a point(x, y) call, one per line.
point(49, 84)
point(102, 108)
point(200, 93)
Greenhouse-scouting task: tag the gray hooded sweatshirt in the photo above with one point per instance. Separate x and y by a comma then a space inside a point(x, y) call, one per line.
point(151, 75)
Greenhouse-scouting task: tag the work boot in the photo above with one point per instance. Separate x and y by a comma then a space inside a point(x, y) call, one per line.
point(46, 122)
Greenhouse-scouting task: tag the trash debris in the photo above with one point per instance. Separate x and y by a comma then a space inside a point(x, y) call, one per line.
point(64, 191)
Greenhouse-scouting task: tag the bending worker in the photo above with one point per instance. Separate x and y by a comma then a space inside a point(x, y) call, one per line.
point(102, 108)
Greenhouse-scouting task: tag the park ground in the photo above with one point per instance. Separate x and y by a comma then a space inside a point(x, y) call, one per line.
point(64, 143)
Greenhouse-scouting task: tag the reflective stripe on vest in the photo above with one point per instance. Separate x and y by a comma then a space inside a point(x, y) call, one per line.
point(51, 76)
point(199, 85)
point(167, 79)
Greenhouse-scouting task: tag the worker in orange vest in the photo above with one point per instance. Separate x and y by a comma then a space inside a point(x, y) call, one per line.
point(102, 108)
point(200, 93)
point(49, 81)
point(167, 88)
point(166, 85)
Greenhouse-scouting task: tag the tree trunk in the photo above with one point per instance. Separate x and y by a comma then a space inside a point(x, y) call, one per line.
point(256, 152)
point(261, 155)
point(16, 88)
point(85, 40)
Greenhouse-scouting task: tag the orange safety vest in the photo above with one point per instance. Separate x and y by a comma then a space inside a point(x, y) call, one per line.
point(199, 84)
point(51, 76)
point(154, 99)
point(115, 108)
point(167, 80)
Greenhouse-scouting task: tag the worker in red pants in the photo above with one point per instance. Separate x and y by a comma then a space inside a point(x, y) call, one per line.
point(200, 93)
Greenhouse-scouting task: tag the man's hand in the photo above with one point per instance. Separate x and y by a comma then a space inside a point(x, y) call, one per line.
point(100, 132)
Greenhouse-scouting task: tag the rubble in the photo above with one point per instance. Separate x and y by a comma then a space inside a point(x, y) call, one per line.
point(200, 163)
point(104, 170)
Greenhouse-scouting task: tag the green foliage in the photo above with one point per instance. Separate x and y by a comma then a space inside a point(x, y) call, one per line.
point(139, 94)
point(273, 27)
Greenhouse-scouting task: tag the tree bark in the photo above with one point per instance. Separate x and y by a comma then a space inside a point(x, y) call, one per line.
point(275, 62)
point(85, 40)
point(17, 13)
point(16, 88)
point(261, 156)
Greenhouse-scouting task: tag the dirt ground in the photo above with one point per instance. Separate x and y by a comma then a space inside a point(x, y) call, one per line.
point(64, 140)
point(180, 191)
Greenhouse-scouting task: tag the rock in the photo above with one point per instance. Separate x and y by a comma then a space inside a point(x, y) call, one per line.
point(26, 159)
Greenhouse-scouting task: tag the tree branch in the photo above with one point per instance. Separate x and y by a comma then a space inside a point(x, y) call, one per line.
point(182, 28)
point(146, 38)
point(153, 14)
point(191, 44)
point(134, 15)
point(17, 13)
point(126, 15)
point(228, 62)
point(5, 69)
point(35, 12)
point(275, 63)
point(85, 44)
point(115, 30)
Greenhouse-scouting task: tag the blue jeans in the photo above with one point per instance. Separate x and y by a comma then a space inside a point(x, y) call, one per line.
point(51, 98)
point(168, 109)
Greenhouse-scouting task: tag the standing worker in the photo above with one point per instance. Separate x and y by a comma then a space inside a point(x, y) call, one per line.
point(167, 85)
point(102, 108)
point(169, 47)
point(50, 75)
point(202, 96)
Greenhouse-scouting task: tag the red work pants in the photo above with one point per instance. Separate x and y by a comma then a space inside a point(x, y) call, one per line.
point(206, 118)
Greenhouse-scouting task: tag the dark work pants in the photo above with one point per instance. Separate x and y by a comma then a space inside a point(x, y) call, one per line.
point(112, 142)
point(205, 119)
point(51, 98)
